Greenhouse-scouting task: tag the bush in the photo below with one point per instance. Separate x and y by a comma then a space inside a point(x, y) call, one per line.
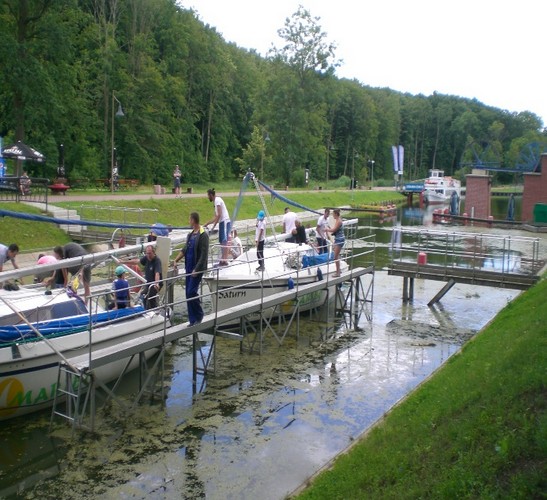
point(298, 178)
point(342, 182)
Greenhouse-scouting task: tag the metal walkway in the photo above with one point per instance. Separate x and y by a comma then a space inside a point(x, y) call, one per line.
point(471, 258)
point(78, 383)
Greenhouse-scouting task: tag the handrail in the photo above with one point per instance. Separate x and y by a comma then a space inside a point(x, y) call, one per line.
point(477, 251)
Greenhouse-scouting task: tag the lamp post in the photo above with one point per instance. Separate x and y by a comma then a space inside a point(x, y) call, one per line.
point(113, 160)
point(355, 155)
point(372, 175)
point(265, 139)
point(330, 147)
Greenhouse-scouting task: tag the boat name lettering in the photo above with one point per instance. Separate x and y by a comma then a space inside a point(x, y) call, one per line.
point(13, 395)
point(233, 294)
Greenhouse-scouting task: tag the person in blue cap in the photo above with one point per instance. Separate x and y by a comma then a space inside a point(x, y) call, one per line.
point(260, 236)
point(120, 287)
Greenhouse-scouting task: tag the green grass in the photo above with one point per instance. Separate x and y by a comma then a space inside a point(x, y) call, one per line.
point(476, 429)
point(32, 236)
point(29, 235)
point(175, 211)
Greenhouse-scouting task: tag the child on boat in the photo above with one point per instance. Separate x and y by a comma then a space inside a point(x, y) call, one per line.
point(120, 287)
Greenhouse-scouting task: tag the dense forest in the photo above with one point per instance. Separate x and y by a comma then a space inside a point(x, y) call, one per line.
point(150, 79)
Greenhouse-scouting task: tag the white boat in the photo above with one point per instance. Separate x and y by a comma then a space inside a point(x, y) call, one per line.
point(39, 328)
point(438, 188)
point(286, 265)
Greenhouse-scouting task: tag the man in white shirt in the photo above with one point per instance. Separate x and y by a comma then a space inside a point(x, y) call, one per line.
point(8, 253)
point(289, 224)
point(222, 217)
point(322, 225)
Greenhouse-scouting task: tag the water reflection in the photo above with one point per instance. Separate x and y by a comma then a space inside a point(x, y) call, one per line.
point(262, 424)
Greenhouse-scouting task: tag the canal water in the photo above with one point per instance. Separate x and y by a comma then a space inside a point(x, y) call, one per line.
point(263, 423)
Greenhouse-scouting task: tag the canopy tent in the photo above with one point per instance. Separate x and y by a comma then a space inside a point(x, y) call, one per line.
point(22, 152)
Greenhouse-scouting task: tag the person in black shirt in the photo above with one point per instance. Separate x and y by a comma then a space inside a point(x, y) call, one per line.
point(300, 233)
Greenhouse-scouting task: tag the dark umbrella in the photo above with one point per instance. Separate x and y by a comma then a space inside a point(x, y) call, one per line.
point(511, 208)
point(20, 151)
point(454, 204)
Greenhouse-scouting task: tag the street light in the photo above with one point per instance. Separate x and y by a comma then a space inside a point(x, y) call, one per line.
point(113, 160)
point(330, 147)
point(265, 139)
point(355, 155)
point(372, 175)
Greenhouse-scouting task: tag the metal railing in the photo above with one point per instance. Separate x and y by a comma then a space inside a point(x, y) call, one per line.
point(16, 190)
point(475, 251)
point(123, 215)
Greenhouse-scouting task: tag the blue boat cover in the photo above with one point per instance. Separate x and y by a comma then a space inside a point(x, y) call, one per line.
point(63, 326)
point(316, 260)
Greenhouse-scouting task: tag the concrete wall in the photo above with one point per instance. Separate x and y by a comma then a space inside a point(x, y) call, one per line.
point(477, 195)
point(535, 190)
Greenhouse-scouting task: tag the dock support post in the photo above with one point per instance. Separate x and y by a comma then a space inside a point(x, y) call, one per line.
point(444, 290)
point(408, 289)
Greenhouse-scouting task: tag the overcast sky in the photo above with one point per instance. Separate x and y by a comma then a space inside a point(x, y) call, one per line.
point(491, 50)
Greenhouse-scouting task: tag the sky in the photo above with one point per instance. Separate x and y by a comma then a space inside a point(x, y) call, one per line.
point(490, 50)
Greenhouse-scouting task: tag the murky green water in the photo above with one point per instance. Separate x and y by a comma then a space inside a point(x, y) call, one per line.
point(263, 423)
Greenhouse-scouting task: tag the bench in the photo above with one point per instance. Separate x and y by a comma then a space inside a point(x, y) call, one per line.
point(79, 183)
point(58, 188)
point(128, 183)
point(102, 183)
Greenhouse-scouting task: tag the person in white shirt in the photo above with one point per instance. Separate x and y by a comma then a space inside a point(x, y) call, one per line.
point(289, 224)
point(9, 254)
point(260, 235)
point(236, 248)
point(222, 217)
point(322, 225)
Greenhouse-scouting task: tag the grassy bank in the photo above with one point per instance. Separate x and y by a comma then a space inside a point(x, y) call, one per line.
point(29, 235)
point(170, 211)
point(476, 429)
point(175, 211)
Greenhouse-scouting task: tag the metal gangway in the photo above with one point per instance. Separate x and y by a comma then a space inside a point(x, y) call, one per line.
point(463, 257)
point(78, 381)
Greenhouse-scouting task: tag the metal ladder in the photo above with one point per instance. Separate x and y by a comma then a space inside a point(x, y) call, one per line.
point(74, 388)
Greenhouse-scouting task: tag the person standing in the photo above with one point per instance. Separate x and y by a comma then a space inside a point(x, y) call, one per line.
point(8, 253)
point(322, 225)
point(177, 174)
point(289, 224)
point(236, 247)
point(260, 236)
point(69, 251)
point(195, 253)
point(120, 287)
point(222, 217)
point(153, 276)
point(339, 240)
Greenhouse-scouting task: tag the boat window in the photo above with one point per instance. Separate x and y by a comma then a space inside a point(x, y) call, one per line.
point(64, 309)
point(55, 311)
